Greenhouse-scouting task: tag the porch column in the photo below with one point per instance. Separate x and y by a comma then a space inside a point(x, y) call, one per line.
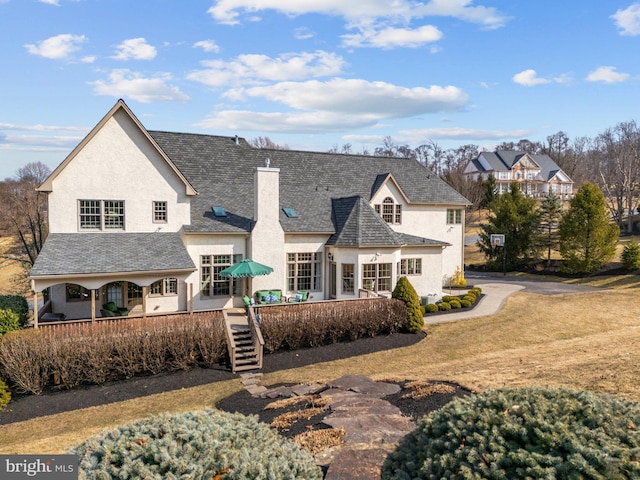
point(144, 302)
point(93, 306)
point(190, 298)
point(35, 310)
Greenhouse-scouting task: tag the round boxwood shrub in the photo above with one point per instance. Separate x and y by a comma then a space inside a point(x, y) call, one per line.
point(430, 308)
point(9, 321)
point(449, 298)
point(455, 304)
point(476, 290)
point(465, 303)
point(5, 395)
point(201, 444)
point(444, 306)
point(523, 433)
point(469, 298)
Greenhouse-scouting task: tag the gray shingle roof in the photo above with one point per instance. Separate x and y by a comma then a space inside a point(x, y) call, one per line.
point(358, 225)
point(223, 174)
point(106, 252)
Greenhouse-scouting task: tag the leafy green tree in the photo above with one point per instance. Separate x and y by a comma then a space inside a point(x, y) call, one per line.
point(515, 216)
point(404, 291)
point(549, 215)
point(588, 238)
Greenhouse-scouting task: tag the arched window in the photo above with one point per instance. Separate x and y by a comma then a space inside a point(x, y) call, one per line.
point(391, 211)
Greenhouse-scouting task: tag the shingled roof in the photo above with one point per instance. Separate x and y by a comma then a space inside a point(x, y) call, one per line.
point(221, 169)
point(104, 252)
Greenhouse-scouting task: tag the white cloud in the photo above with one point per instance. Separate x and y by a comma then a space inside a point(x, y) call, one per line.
point(252, 68)
point(458, 133)
point(40, 128)
point(303, 33)
point(352, 96)
point(126, 84)
point(88, 59)
point(607, 75)
point(628, 20)
point(529, 78)
point(229, 11)
point(207, 46)
point(57, 47)
point(51, 2)
point(390, 37)
point(298, 122)
point(136, 49)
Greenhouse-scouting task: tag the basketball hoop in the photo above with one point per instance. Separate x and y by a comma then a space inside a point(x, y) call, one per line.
point(497, 240)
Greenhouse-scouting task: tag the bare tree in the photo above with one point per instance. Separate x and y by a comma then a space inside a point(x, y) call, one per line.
point(266, 142)
point(618, 167)
point(24, 212)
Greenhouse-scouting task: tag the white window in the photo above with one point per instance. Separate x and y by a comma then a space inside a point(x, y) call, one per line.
point(410, 266)
point(454, 216)
point(164, 287)
point(304, 271)
point(101, 214)
point(376, 277)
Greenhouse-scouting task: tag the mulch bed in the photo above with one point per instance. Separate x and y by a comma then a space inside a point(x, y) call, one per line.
point(25, 407)
point(243, 402)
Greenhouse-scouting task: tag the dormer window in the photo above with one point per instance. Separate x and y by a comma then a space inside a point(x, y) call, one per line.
point(390, 211)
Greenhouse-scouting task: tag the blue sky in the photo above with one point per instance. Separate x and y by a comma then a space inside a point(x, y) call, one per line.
point(314, 74)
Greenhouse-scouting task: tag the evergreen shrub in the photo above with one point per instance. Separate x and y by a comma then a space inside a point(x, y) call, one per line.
point(449, 298)
point(431, 308)
point(444, 306)
point(9, 321)
point(17, 304)
point(203, 444)
point(631, 256)
point(465, 303)
point(404, 291)
point(455, 304)
point(523, 433)
point(5, 395)
point(476, 290)
point(470, 298)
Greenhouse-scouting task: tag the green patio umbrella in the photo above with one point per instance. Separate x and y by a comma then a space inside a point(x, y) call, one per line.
point(247, 268)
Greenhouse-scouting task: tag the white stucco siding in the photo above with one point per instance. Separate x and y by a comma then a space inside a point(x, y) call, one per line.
point(119, 163)
point(430, 281)
point(213, 244)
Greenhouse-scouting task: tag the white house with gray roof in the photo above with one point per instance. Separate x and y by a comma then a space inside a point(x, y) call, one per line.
point(537, 175)
point(148, 219)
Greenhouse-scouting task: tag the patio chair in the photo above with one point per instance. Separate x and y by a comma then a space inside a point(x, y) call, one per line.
point(113, 308)
point(300, 296)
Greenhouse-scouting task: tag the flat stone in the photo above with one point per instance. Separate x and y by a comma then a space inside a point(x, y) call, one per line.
point(357, 464)
point(367, 406)
point(250, 375)
point(256, 390)
point(373, 429)
point(250, 381)
point(362, 384)
point(301, 390)
point(276, 392)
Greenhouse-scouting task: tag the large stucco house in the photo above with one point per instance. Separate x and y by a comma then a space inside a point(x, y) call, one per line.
point(148, 219)
point(537, 175)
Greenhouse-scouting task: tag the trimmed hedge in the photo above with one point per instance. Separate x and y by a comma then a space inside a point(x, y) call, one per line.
point(523, 433)
point(5, 395)
point(206, 444)
point(404, 291)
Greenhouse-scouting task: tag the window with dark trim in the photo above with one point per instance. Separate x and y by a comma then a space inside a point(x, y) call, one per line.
point(347, 278)
point(410, 266)
point(212, 284)
point(454, 216)
point(389, 210)
point(376, 277)
point(165, 287)
point(159, 212)
point(101, 214)
point(304, 271)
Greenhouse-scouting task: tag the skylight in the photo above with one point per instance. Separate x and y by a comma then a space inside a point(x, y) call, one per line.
point(290, 212)
point(219, 211)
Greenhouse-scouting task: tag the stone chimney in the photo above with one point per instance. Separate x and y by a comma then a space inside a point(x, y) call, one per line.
point(267, 236)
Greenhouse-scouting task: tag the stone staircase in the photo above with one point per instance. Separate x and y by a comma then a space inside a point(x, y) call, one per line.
point(244, 339)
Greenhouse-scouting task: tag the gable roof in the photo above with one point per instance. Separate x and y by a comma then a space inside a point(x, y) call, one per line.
point(47, 185)
point(222, 171)
point(504, 160)
point(358, 225)
point(111, 252)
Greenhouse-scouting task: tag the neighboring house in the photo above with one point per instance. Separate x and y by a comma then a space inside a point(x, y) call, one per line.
point(148, 219)
point(537, 174)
